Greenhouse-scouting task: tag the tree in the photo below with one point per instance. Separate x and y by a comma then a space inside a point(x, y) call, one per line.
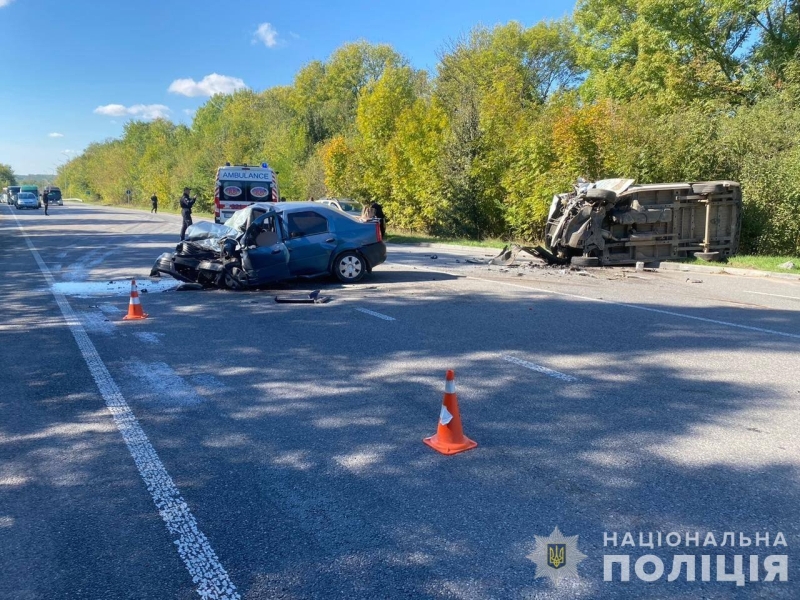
point(7, 176)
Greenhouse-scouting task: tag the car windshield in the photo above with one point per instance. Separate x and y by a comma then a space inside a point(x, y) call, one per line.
point(26, 196)
point(350, 206)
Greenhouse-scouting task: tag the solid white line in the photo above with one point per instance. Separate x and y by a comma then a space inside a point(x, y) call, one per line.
point(773, 295)
point(193, 547)
point(366, 311)
point(624, 304)
point(540, 369)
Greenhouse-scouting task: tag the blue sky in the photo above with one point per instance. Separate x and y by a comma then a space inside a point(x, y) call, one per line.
point(74, 71)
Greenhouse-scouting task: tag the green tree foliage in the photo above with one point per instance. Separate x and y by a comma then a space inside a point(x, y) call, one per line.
point(654, 90)
point(7, 176)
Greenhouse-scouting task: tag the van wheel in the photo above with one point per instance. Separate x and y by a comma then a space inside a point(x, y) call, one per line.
point(349, 267)
point(585, 261)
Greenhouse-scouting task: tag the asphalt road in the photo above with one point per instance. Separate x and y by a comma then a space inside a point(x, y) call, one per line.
point(229, 441)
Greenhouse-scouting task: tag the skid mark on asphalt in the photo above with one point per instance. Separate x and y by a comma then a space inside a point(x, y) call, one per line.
point(198, 556)
point(540, 369)
point(366, 311)
point(163, 384)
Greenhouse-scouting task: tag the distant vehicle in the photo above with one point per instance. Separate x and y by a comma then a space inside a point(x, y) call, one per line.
point(239, 186)
point(13, 190)
point(352, 207)
point(27, 200)
point(33, 190)
point(53, 194)
point(266, 243)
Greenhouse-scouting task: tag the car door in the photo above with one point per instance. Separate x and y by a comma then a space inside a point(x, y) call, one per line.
point(310, 242)
point(265, 257)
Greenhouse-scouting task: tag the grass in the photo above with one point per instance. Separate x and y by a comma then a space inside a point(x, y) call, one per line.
point(404, 237)
point(760, 263)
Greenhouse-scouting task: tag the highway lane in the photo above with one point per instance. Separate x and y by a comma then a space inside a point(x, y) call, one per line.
point(294, 432)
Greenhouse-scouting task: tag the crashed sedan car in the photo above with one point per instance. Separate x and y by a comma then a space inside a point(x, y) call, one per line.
point(270, 242)
point(614, 222)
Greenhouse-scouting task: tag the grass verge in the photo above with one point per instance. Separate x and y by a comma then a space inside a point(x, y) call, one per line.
point(760, 263)
point(398, 237)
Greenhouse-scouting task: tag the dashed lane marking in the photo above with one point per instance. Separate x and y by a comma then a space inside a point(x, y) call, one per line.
point(194, 548)
point(773, 295)
point(366, 311)
point(540, 369)
point(622, 304)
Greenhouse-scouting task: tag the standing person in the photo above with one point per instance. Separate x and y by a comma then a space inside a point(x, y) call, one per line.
point(45, 201)
point(186, 210)
point(378, 209)
point(154, 202)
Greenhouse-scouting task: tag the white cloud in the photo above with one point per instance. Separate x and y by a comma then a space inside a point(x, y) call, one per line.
point(189, 112)
point(267, 34)
point(54, 134)
point(5, 3)
point(208, 86)
point(144, 111)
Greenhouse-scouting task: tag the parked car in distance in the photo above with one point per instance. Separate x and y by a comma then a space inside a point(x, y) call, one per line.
point(27, 200)
point(352, 207)
point(12, 192)
point(270, 242)
point(53, 194)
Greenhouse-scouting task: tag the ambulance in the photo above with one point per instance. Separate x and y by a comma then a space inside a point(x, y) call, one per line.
point(239, 186)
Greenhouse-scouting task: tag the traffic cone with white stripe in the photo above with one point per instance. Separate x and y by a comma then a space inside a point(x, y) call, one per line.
point(134, 306)
point(450, 438)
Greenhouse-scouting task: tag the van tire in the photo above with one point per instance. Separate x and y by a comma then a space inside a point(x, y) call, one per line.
point(599, 194)
point(585, 261)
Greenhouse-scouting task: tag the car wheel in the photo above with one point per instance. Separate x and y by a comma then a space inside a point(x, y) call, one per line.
point(349, 267)
point(707, 256)
point(585, 261)
point(231, 278)
point(598, 194)
point(708, 188)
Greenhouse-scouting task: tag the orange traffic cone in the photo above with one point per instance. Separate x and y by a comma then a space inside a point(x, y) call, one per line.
point(450, 438)
point(134, 307)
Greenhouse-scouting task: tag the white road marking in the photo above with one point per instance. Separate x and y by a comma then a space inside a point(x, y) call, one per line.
point(623, 304)
point(109, 309)
point(165, 385)
point(194, 549)
point(366, 311)
point(773, 295)
point(96, 322)
point(540, 368)
point(147, 337)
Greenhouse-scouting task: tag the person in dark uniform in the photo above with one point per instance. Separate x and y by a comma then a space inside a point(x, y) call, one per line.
point(154, 202)
point(45, 201)
point(186, 210)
